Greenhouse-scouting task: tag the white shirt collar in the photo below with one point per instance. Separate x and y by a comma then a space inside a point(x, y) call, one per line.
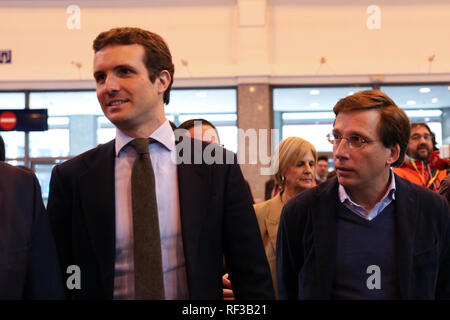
point(343, 195)
point(164, 135)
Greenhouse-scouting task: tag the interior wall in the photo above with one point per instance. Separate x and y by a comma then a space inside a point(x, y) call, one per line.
point(409, 33)
point(211, 37)
point(43, 47)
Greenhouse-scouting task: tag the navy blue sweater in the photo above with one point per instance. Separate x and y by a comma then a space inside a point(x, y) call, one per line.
point(365, 256)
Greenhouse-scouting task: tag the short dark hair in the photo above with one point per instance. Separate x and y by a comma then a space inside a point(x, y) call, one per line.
point(157, 54)
point(188, 124)
point(393, 128)
point(423, 124)
point(2, 150)
point(325, 158)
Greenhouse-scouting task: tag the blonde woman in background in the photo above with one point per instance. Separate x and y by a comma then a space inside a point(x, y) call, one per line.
point(297, 159)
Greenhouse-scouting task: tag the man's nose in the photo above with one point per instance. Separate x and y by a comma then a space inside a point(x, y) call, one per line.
point(111, 85)
point(341, 150)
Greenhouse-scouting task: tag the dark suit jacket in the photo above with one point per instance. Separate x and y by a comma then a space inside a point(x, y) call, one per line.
point(306, 243)
point(217, 220)
point(29, 267)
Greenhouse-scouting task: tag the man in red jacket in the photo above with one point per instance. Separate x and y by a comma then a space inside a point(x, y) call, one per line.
point(417, 168)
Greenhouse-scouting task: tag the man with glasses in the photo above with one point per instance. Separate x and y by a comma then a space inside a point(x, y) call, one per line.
point(367, 233)
point(416, 167)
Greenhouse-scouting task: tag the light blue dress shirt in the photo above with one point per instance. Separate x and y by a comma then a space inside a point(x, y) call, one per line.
point(388, 197)
point(166, 183)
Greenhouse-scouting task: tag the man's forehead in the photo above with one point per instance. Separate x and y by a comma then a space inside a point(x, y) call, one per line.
point(420, 129)
point(121, 47)
point(123, 54)
point(359, 120)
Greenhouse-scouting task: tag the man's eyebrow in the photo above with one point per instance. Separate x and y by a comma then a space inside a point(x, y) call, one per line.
point(96, 73)
point(123, 66)
point(352, 133)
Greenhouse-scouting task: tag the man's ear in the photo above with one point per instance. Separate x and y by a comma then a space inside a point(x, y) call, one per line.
point(394, 154)
point(164, 81)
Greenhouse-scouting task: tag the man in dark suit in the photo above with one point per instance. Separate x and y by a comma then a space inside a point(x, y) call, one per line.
point(204, 210)
point(367, 233)
point(29, 267)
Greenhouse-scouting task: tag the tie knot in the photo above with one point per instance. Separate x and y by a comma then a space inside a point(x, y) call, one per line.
point(141, 144)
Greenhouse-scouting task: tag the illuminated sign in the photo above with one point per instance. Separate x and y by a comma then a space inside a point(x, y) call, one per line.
point(23, 120)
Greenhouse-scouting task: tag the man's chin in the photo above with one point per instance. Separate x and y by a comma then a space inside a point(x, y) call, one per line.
point(350, 185)
point(114, 121)
point(348, 181)
point(121, 123)
point(423, 156)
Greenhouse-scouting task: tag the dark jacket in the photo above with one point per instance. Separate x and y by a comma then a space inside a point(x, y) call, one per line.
point(306, 243)
point(217, 220)
point(29, 267)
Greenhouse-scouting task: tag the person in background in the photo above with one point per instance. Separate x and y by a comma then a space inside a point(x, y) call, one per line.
point(417, 167)
point(206, 131)
point(297, 159)
point(322, 169)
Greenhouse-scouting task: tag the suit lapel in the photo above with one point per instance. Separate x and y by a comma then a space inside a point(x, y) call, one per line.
point(97, 194)
point(405, 227)
point(324, 214)
point(194, 189)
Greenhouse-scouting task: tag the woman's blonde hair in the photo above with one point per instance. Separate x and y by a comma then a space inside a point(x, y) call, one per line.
point(291, 150)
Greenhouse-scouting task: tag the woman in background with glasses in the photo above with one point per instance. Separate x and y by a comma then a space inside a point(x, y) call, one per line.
point(295, 160)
